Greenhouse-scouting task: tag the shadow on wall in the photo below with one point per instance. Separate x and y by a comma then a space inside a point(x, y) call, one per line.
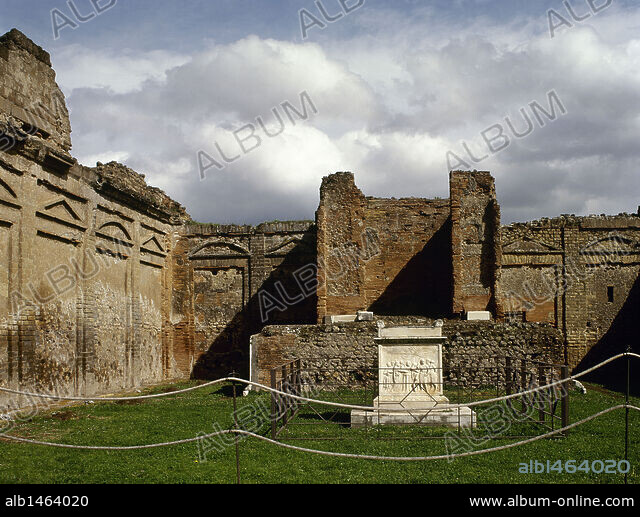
point(489, 258)
point(623, 331)
point(488, 263)
point(283, 302)
point(424, 286)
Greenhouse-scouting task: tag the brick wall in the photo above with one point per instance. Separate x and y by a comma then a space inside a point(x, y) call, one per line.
point(30, 100)
point(232, 280)
point(475, 244)
point(84, 251)
point(390, 256)
point(579, 273)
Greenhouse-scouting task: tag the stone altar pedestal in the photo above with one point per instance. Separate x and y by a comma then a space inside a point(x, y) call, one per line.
point(410, 382)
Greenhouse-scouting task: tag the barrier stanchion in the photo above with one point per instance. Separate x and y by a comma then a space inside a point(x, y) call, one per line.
point(274, 406)
point(235, 427)
point(565, 397)
point(626, 412)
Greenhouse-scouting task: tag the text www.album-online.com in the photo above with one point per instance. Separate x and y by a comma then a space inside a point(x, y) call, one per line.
point(577, 501)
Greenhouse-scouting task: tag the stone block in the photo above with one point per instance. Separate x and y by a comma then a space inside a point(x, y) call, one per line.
point(404, 332)
point(478, 316)
point(364, 316)
point(342, 318)
point(452, 418)
point(411, 381)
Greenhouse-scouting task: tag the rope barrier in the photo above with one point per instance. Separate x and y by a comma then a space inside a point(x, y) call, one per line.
point(323, 402)
point(110, 399)
point(323, 453)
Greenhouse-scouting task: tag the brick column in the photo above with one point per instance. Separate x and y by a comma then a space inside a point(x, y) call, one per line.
point(475, 240)
point(340, 221)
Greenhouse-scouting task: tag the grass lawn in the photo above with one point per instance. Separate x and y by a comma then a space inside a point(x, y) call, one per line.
point(187, 415)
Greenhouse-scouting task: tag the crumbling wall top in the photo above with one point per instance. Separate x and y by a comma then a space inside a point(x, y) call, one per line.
point(116, 179)
point(273, 227)
point(341, 183)
point(473, 181)
point(14, 39)
point(623, 220)
point(32, 106)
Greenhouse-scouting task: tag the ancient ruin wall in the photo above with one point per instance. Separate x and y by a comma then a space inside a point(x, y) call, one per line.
point(232, 280)
point(390, 256)
point(346, 352)
point(579, 273)
point(30, 100)
point(475, 248)
point(84, 251)
point(104, 286)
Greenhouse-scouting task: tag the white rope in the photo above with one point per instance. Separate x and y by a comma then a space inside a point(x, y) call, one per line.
point(109, 399)
point(327, 403)
point(445, 406)
point(323, 453)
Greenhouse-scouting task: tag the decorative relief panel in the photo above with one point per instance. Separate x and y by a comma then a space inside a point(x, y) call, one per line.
point(410, 371)
point(114, 233)
point(216, 248)
point(613, 249)
point(8, 196)
point(527, 245)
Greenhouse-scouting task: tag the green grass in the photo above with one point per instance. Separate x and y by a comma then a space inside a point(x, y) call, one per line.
point(186, 415)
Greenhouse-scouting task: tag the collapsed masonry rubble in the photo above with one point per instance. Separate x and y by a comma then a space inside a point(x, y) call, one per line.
point(108, 284)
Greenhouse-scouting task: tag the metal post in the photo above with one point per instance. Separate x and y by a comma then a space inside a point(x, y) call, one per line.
point(235, 426)
point(274, 405)
point(497, 365)
point(292, 388)
point(626, 410)
point(552, 398)
point(565, 397)
point(298, 381)
point(285, 400)
point(508, 379)
point(523, 384)
point(459, 398)
point(540, 395)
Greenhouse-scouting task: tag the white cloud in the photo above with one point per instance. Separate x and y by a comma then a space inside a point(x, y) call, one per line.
point(389, 108)
point(106, 157)
point(120, 71)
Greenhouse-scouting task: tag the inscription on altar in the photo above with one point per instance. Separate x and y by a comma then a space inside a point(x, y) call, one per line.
point(402, 376)
point(410, 381)
point(410, 365)
point(410, 375)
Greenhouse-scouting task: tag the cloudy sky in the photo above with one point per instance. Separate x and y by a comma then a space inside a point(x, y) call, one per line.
point(544, 94)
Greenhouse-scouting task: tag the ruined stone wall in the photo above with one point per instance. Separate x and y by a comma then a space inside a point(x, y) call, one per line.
point(104, 286)
point(85, 273)
point(347, 352)
point(30, 101)
point(475, 247)
point(390, 256)
point(579, 273)
point(475, 352)
point(232, 280)
point(85, 277)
